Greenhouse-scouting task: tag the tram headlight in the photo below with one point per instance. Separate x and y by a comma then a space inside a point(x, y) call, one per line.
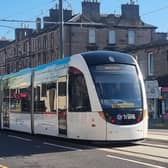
point(101, 114)
point(145, 114)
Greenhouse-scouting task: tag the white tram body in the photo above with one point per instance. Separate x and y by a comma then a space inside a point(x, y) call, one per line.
point(97, 95)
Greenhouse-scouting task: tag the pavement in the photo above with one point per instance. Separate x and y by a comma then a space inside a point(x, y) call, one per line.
point(159, 123)
point(158, 135)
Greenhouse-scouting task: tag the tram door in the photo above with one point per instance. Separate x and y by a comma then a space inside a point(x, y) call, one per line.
point(0, 106)
point(5, 111)
point(62, 105)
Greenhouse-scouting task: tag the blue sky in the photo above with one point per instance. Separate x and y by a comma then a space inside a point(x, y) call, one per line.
point(151, 11)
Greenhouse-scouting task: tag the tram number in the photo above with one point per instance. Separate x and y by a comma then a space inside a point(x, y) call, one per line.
point(129, 117)
point(126, 117)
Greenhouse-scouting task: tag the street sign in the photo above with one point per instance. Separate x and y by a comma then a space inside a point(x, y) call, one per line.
point(152, 89)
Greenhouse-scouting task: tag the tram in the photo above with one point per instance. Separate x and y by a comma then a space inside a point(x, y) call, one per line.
point(97, 95)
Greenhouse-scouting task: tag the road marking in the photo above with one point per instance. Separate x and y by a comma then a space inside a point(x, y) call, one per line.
point(2, 166)
point(153, 145)
point(158, 133)
point(21, 138)
point(128, 153)
point(134, 161)
point(61, 146)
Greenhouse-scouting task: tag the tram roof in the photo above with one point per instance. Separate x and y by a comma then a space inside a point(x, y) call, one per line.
point(107, 57)
point(21, 72)
point(57, 62)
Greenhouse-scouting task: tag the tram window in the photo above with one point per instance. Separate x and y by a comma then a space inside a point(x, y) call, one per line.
point(117, 84)
point(6, 100)
point(37, 92)
point(45, 98)
point(20, 100)
point(62, 89)
point(44, 90)
point(78, 94)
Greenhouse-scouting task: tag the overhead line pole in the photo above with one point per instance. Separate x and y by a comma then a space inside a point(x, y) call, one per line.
point(61, 19)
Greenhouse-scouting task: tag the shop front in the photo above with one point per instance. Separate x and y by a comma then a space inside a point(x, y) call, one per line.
point(164, 102)
point(152, 92)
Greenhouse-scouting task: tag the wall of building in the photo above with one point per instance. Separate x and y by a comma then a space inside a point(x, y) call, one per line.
point(40, 46)
point(44, 48)
point(143, 36)
point(160, 59)
point(2, 61)
point(157, 100)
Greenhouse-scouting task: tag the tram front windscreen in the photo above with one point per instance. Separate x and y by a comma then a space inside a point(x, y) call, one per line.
point(119, 91)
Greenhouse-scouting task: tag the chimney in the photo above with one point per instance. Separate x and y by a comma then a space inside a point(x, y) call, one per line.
point(54, 16)
point(22, 33)
point(91, 9)
point(130, 11)
point(38, 25)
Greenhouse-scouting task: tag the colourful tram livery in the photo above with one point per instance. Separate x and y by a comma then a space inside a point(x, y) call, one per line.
point(97, 95)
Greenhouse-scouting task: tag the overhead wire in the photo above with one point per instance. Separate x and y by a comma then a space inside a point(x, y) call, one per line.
point(156, 10)
point(69, 6)
point(42, 12)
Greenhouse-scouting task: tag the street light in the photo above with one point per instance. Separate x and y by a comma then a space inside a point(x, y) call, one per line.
point(61, 19)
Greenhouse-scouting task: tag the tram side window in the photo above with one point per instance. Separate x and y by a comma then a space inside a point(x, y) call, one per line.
point(62, 89)
point(20, 100)
point(45, 98)
point(78, 94)
point(44, 90)
point(6, 100)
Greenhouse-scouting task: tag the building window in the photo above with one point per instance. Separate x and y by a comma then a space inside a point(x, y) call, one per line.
point(167, 55)
point(44, 58)
point(33, 62)
point(167, 36)
point(150, 64)
point(27, 47)
point(38, 43)
point(52, 40)
point(131, 37)
point(25, 33)
point(45, 41)
point(92, 36)
point(39, 59)
point(112, 37)
point(24, 47)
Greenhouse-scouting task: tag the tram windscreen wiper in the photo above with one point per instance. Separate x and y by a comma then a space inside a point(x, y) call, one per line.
point(100, 91)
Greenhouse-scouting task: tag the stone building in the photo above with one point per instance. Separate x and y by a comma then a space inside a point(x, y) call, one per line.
point(89, 30)
point(4, 42)
point(153, 61)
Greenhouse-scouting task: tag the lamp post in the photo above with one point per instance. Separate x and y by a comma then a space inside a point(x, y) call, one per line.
point(61, 20)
